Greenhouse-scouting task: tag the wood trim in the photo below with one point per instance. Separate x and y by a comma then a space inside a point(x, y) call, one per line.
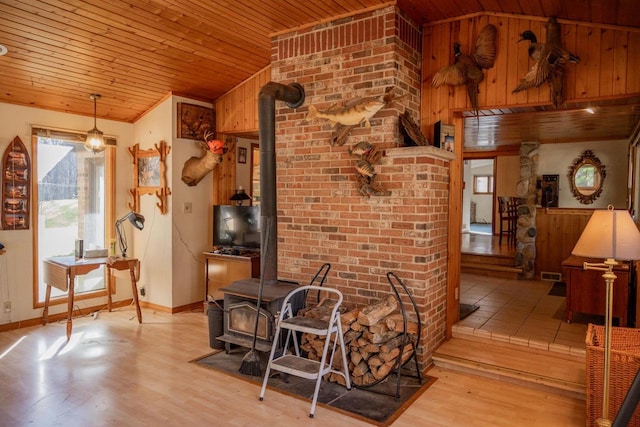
point(533, 18)
point(332, 18)
point(455, 234)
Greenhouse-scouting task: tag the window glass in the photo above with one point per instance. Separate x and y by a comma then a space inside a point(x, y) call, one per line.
point(71, 205)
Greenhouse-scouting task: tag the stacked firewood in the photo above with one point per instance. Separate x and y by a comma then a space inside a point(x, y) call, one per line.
point(373, 338)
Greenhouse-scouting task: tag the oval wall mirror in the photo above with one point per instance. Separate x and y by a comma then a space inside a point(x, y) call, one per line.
point(586, 176)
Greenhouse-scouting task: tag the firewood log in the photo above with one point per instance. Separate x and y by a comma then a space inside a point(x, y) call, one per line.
point(351, 335)
point(355, 357)
point(394, 323)
point(378, 338)
point(348, 318)
point(364, 380)
point(360, 369)
point(356, 326)
point(375, 361)
point(391, 355)
point(372, 314)
point(391, 344)
point(383, 370)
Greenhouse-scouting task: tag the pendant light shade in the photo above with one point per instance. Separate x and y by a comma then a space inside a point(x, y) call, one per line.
point(95, 138)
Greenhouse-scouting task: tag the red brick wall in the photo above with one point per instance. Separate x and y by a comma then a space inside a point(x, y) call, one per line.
point(321, 215)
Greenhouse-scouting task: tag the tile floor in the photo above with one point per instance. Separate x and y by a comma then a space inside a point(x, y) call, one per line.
point(521, 308)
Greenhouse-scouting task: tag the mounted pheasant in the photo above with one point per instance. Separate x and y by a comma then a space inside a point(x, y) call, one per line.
point(197, 168)
point(550, 59)
point(467, 69)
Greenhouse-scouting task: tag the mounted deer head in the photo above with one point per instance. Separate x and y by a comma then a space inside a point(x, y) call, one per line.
point(197, 168)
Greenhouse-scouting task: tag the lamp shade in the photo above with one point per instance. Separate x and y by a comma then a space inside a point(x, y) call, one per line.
point(609, 234)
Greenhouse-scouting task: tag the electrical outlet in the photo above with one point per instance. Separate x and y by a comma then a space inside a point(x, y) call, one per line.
point(187, 207)
point(143, 291)
point(7, 306)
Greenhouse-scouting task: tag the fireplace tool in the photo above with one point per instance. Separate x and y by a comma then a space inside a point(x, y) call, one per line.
point(251, 361)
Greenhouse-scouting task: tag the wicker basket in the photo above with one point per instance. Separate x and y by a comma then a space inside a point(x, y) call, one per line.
point(625, 362)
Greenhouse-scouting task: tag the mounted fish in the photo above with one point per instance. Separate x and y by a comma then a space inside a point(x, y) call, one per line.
point(354, 113)
point(361, 148)
point(467, 69)
point(550, 60)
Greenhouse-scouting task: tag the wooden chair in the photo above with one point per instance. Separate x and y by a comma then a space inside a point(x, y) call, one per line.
point(508, 209)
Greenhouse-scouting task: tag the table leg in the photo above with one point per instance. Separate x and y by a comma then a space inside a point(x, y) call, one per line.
point(72, 279)
point(45, 312)
point(109, 281)
point(133, 266)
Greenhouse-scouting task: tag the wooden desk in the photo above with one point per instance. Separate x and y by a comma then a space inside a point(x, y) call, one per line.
point(61, 272)
point(586, 289)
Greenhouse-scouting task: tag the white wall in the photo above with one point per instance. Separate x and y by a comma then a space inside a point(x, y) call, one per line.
point(484, 202)
point(16, 265)
point(169, 247)
point(555, 159)
point(243, 170)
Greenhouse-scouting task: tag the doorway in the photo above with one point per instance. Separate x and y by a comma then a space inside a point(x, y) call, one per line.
point(477, 196)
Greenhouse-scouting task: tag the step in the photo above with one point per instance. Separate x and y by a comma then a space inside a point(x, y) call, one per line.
point(554, 372)
point(492, 270)
point(492, 259)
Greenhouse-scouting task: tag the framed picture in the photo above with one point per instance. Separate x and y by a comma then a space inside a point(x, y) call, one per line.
point(149, 171)
point(242, 155)
point(194, 121)
point(444, 136)
point(149, 175)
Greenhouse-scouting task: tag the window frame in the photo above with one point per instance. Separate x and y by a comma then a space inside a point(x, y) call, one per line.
point(490, 184)
point(110, 167)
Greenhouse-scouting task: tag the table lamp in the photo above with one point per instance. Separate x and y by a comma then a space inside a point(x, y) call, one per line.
point(138, 222)
point(612, 235)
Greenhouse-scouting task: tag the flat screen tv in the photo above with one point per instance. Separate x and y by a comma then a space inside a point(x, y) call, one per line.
point(236, 227)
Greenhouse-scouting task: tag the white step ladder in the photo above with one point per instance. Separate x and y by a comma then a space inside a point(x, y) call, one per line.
point(297, 365)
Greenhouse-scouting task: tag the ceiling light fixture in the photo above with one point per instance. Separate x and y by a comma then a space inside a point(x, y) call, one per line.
point(590, 110)
point(3, 50)
point(95, 138)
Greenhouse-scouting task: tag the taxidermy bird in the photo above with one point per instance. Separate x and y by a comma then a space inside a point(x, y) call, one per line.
point(550, 59)
point(467, 69)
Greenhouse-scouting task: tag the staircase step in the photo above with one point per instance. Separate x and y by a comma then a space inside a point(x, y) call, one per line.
point(507, 261)
point(558, 373)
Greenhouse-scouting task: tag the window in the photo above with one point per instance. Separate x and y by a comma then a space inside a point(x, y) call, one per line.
point(72, 203)
point(483, 184)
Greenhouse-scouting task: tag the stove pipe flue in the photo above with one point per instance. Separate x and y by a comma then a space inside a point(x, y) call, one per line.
point(293, 96)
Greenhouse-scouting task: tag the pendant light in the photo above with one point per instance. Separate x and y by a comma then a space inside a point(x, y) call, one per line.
point(95, 138)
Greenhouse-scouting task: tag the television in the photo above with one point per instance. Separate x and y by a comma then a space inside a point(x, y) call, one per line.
point(236, 227)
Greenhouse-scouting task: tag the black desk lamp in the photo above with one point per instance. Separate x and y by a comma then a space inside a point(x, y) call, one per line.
point(138, 222)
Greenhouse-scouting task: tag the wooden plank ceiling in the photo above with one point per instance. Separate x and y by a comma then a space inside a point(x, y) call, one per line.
point(136, 52)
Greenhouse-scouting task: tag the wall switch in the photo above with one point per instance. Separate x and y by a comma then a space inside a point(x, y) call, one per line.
point(7, 306)
point(187, 207)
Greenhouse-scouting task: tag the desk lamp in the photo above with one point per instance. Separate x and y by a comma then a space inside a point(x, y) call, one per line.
point(138, 222)
point(612, 235)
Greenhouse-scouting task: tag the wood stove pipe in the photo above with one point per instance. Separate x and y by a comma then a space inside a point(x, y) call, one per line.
point(293, 96)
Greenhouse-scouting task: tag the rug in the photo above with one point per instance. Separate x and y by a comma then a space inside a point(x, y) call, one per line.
point(376, 405)
point(467, 309)
point(559, 289)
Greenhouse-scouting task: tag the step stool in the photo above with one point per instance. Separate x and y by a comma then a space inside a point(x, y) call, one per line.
point(297, 365)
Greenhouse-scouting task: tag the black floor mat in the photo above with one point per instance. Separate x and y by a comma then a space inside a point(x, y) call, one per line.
point(467, 309)
point(376, 405)
point(559, 289)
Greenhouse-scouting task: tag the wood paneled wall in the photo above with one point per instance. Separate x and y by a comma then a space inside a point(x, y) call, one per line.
point(608, 66)
point(237, 110)
point(558, 232)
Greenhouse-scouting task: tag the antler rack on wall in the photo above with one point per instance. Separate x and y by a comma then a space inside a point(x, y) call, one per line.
point(149, 175)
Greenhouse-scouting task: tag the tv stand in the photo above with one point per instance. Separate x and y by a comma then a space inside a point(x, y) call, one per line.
point(222, 269)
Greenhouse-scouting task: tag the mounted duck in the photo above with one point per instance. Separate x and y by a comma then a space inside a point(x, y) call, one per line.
point(550, 59)
point(468, 69)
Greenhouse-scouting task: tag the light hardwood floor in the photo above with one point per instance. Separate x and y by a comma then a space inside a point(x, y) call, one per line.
point(117, 372)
